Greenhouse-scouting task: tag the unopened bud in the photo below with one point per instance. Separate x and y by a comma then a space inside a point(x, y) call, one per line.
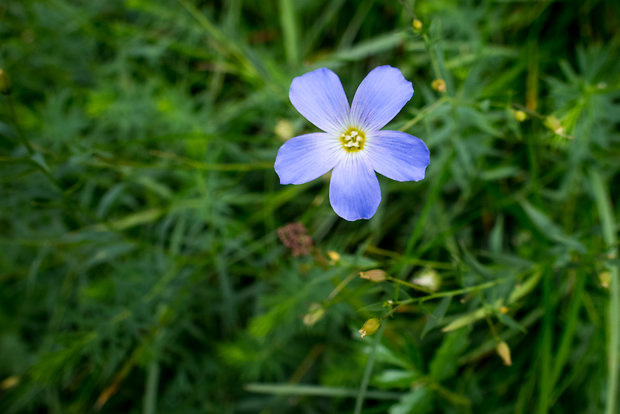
point(554, 124)
point(9, 382)
point(315, 314)
point(604, 278)
point(428, 278)
point(504, 353)
point(439, 85)
point(375, 275)
point(284, 129)
point(370, 327)
point(333, 256)
point(504, 309)
point(5, 83)
point(417, 25)
point(520, 116)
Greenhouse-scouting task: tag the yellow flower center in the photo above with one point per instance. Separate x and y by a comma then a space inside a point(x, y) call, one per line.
point(352, 139)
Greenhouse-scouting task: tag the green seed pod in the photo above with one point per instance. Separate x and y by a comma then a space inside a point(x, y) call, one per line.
point(370, 327)
point(504, 353)
point(520, 116)
point(375, 275)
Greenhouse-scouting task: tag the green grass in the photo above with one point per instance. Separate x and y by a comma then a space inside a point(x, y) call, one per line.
point(140, 265)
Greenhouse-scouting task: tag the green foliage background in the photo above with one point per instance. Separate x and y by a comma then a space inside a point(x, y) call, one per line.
point(140, 266)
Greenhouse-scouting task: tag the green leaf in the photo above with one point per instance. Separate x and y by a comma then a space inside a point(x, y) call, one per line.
point(445, 362)
point(419, 401)
point(471, 317)
point(394, 378)
point(436, 317)
point(548, 228)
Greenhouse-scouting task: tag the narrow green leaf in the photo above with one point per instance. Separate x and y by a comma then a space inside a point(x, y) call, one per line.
point(318, 391)
point(436, 317)
point(289, 30)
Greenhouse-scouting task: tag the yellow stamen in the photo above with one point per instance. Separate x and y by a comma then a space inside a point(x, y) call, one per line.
point(353, 139)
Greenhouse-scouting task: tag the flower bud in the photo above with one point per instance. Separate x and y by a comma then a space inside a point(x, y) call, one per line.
point(9, 382)
point(554, 124)
point(334, 257)
point(520, 116)
point(439, 85)
point(370, 327)
point(605, 278)
point(315, 314)
point(375, 275)
point(428, 278)
point(417, 25)
point(504, 353)
point(284, 129)
point(5, 82)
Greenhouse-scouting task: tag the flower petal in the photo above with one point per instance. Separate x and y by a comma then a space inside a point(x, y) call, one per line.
point(354, 191)
point(397, 155)
point(319, 96)
point(380, 97)
point(307, 157)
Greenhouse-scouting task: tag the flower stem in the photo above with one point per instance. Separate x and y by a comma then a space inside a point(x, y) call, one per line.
point(605, 210)
point(359, 401)
point(411, 285)
point(444, 294)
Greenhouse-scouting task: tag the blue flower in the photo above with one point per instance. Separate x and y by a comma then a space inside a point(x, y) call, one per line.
point(352, 144)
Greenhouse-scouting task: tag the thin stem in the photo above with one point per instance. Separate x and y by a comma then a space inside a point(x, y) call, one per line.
point(369, 366)
point(423, 113)
point(444, 294)
point(341, 286)
point(411, 285)
point(409, 260)
point(605, 210)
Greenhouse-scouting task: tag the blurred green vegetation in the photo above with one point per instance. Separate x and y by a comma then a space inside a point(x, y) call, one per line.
point(140, 265)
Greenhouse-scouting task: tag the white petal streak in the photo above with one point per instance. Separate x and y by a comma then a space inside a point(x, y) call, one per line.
point(380, 97)
point(354, 191)
point(398, 155)
point(307, 157)
point(319, 96)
